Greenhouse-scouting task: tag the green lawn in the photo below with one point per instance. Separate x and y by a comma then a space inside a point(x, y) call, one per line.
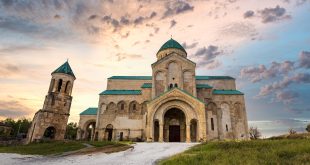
point(286, 151)
point(55, 147)
point(46, 148)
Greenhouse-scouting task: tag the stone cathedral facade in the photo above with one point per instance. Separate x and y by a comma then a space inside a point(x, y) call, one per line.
point(50, 122)
point(172, 105)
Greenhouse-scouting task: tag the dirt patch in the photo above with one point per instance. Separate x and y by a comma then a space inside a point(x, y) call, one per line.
point(106, 149)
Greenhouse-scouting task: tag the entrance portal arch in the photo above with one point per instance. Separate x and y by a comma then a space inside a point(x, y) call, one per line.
point(174, 126)
point(49, 132)
point(108, 134)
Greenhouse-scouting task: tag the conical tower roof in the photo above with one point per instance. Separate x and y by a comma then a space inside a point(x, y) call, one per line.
point(65, 68)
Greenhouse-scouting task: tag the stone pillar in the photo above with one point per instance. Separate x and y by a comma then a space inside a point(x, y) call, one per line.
point(188, 133)
point(161, 132)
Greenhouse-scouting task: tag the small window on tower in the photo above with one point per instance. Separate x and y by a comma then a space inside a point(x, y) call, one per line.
point(122, 106)
point(226, 128)
point(176, 85)
point(134, 107)
point(171, 86)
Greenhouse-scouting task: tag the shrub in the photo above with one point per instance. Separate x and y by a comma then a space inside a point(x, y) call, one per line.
point(308, 128)
point(254, 133)
point(291, 131)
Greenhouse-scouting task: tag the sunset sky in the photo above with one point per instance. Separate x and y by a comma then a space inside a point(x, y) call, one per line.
point(264, 44)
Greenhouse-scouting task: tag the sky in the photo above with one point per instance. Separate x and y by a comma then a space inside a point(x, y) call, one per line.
point(264, 44)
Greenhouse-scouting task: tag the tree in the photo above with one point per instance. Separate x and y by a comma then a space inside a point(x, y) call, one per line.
point(19, 127)
point(308, 128)
point(254, 133)
point(71, 131)
point(291, 131)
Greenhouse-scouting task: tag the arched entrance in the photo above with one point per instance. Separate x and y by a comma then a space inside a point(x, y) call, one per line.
point(174, 126)
point(90, 130)
point(109, 132)
point(49, 133)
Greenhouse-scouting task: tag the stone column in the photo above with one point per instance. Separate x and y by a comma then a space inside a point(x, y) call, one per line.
point(161, 132)
point(188, 133)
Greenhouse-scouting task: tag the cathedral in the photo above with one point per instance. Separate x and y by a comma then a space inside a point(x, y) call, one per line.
point(172, 105)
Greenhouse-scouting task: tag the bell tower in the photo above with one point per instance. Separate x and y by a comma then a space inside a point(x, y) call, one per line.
point(50, 122)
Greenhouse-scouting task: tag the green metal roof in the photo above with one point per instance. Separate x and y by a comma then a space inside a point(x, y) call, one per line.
point(171, 44)
point(121, 92)
point(131, 77)
point(213, 78)
point(203, 86)
point(150, 77)
point(90, 111)
point(227, 92)
point(147, 85)
point(64, 68)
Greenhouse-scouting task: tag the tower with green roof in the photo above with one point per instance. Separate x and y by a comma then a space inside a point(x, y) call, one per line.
point(50, 122)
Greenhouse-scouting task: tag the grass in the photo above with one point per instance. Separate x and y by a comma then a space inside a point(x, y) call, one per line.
point(285, 151)
point(44, 148)
point(57, 147)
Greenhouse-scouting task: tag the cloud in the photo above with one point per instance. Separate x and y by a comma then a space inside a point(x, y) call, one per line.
point(304, 59)
point(172, 23)
point(122, 56)
point(279, 85)
point(256, 74)
point(176, 7)
point(298, 110)
point(239, 29)
point(13, 109)
point(248, 14)
point(190, 46)
point(273, 14)
point(286, 97)
point(206, 56)
point(8, 69)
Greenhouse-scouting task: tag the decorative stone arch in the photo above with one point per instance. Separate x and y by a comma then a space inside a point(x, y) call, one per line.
point(238, 110)
point(159, 78)
point(59, 85)
point(212, 107)
point(111, 106)
point(134, 107)
point(89, 129)
point(179, 103)
point(108, 133)
point(122, 106)
point(102, 108)
point(227, 120)
point(144, 108)
point(156, 130)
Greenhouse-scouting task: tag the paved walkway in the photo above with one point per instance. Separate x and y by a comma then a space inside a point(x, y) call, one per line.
point(142, 153)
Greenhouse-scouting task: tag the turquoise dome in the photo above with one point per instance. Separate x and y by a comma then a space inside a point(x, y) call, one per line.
point(171, 44)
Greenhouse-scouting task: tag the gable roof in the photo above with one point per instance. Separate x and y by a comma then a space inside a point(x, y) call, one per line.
point(64, 68)
point(227, 92)
point(121, 92)
point(183, 91)
point(89, 111)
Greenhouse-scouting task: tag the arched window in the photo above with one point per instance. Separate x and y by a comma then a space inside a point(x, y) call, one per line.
point(134, 107)
point(122, 106)
point(59, 85)
point(176, 85)
point(171, 86)
point(67, 87)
